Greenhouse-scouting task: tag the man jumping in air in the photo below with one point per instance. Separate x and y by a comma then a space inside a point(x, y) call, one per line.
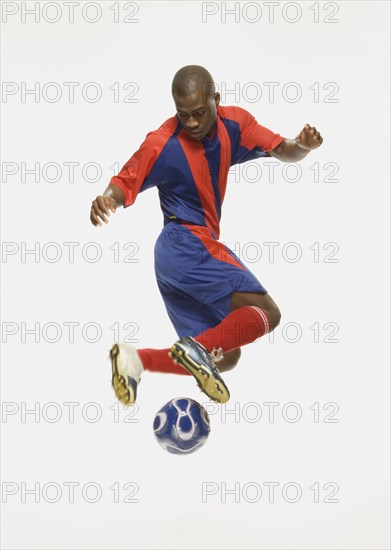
point(214, 302)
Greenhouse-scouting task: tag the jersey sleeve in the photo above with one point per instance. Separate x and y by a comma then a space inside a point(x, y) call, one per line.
point(138, 173)
point(255, 140)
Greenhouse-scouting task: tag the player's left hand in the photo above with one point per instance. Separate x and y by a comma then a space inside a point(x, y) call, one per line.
point(309, 138)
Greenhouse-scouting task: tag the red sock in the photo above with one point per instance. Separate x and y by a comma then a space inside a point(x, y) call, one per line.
point(158, 360)
point(242, 326)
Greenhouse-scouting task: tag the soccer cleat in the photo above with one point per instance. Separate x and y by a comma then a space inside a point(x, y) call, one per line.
point(191, 355)
point(126, 368)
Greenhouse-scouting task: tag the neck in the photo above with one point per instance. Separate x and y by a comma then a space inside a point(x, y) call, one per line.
point(212, 129)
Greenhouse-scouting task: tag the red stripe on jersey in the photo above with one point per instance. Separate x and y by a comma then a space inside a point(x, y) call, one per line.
point(252, 133)
point(138, 167)
point(215, 248)
point(225, 160)
point(195, 156)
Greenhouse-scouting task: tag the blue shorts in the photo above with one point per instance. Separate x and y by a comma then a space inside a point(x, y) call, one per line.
point(197, 275)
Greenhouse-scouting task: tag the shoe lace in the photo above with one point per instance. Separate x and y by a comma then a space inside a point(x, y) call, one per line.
point(217, 355)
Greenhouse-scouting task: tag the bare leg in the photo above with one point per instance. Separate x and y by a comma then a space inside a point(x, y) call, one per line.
point(229, 361)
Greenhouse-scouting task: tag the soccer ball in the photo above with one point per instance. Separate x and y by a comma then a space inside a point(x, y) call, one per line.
point(181, 426)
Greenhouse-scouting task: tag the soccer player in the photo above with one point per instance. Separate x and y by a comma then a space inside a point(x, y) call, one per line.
point(214, 302)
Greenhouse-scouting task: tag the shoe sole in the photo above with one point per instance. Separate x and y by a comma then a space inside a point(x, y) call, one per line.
point(212, 387)
point(123, 391)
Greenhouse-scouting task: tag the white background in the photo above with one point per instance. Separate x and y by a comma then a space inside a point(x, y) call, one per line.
point(351, 292)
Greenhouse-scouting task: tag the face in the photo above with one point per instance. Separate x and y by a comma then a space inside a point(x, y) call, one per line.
point(197, 113)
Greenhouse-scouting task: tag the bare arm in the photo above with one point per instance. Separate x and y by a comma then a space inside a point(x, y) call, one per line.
point(114, 192)
point(103, 204)
point(294, 150)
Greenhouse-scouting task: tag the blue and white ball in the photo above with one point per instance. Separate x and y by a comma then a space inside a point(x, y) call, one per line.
point(181, 426)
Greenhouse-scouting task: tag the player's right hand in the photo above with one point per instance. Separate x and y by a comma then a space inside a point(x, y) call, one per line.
point(100, 208)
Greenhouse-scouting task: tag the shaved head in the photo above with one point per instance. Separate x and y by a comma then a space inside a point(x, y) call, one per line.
point(196, 101)
point(191, 79)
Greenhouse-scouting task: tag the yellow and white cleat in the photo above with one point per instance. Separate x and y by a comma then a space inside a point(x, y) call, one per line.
point(126, 369)
point(192, 356)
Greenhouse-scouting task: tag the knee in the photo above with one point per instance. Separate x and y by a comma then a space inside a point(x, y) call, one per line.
point(235, 356)
point(230, 360)
point(274, 315)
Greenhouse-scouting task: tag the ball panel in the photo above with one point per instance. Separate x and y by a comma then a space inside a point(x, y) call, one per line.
point(181, 426)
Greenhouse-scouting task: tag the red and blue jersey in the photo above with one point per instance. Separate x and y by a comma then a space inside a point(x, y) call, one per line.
point(191, 176)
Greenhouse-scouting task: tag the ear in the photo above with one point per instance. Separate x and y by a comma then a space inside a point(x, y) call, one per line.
point(217, 99)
